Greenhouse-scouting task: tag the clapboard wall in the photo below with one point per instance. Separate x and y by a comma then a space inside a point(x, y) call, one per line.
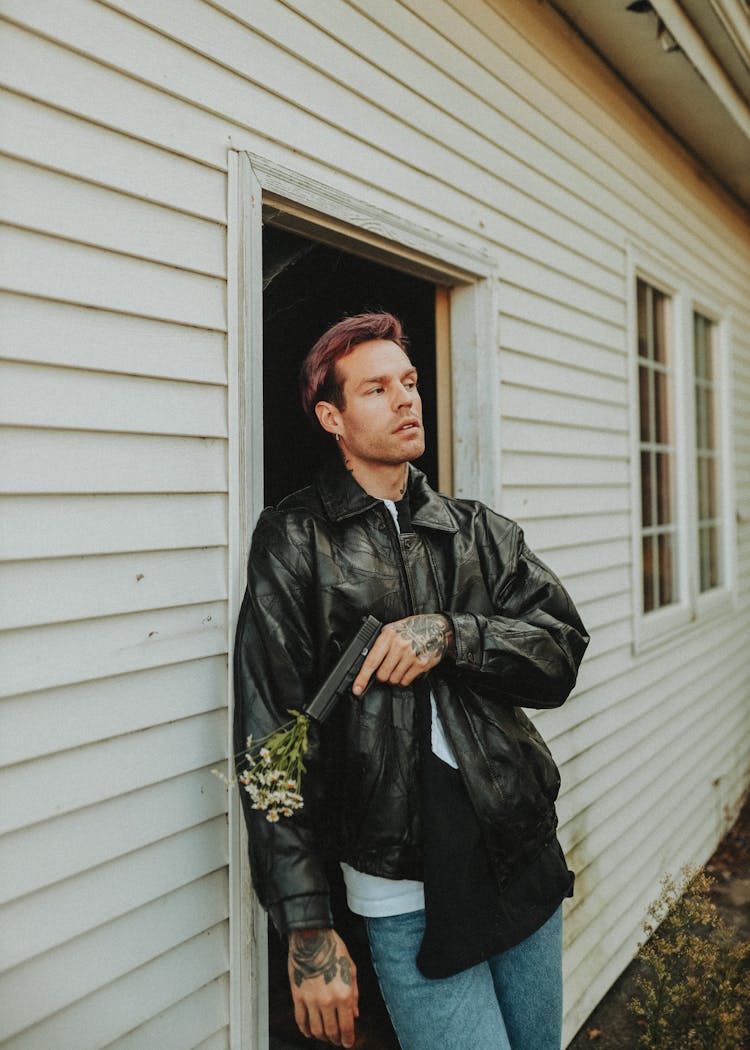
point(488, 124)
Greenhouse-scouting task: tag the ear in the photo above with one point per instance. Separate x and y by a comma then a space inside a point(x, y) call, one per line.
point(329, 417)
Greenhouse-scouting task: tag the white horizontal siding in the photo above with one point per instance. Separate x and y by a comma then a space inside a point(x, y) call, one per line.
point(50, 526)
point(153, 985)
point(84, 838)
point(134, 701)
point(46, 461)
point(57, 333)
point(109, 767)
point(44, 266)
point(114, 482)
point(66, 589)
point(479, 121)
point(63, 206)
point(71, 398)
point(116, 888)
point(87, 964)
point(98, 154)
point(186, 1021)
point(81, 650)
point(97, 1018)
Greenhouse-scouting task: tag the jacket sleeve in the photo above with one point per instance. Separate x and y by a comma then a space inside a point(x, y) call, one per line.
point(273, 673)
point(527, 652)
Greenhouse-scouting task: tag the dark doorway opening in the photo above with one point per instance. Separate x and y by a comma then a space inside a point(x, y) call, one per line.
point(308, 286)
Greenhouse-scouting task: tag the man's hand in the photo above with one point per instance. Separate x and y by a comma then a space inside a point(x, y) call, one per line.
point(406, 649)
point(323, 979)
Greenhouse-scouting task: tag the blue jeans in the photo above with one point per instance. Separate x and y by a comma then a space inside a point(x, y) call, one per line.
point(511, 1002)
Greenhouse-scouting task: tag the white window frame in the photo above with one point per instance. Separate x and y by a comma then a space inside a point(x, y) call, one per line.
point(691, 609)
point(716, 599)
point(471, 278)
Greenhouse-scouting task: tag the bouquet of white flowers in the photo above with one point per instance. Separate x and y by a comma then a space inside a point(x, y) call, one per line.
point(274, 764)
point(273, 773)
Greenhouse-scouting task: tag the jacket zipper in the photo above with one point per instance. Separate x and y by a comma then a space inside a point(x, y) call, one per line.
point(396, 535)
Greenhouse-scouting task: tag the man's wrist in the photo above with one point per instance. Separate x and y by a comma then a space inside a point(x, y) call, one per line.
point(308, 932)
point(449, 637)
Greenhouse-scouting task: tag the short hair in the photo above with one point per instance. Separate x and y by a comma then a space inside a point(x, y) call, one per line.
point(319, 379)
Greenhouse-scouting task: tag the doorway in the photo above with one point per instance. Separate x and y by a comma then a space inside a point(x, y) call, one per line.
point(307, 287)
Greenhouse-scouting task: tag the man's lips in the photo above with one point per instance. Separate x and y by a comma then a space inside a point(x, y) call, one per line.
point(408, 424)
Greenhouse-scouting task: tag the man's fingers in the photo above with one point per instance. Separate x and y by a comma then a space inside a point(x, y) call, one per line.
point(392, 659)
point(317, 1027)
point(346, 1026)
point(331, 1029)
point(371, 662)
point(394, 663)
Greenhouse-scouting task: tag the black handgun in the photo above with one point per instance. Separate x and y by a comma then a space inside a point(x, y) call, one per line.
point(341, 676)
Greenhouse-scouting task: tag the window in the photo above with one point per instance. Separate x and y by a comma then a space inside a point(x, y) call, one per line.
point(659, 538)
point(707, 454)
point(681, 522)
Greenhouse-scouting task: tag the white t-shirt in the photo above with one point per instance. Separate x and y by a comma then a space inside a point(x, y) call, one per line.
point(372, 895)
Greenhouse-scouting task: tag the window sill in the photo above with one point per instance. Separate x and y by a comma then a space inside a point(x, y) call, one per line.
point(674, 625)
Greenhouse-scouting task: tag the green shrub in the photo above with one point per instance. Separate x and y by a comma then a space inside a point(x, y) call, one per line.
point(694, 993)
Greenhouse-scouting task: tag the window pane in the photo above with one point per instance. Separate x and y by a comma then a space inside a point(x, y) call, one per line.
point(642, 297)
point(710, 418)
point(647, 502)
point(663, 488)
point(702, 465)
point(708, 488)
point(648, 573)
point(663, 421)
point(710, 567)
point(699, 347)
point(712, 501)
point(714, 571)
point(701, 411)
point(667, 586)
point(644, 402)
point(659, 307)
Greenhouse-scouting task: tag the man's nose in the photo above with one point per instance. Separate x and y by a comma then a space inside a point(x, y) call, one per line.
point(404, 395)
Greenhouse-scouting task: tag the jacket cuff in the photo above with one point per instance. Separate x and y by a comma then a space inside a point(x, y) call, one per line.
point(311, 911)
point(468, 641)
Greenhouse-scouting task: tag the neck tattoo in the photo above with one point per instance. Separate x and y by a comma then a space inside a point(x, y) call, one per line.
point(405, 480)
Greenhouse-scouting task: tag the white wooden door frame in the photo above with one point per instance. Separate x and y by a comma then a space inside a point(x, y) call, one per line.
point(305, 206)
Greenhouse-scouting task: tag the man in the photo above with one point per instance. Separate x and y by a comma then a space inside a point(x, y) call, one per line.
point(430, 785)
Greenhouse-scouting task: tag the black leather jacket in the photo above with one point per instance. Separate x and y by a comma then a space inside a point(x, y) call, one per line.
point(318, 562)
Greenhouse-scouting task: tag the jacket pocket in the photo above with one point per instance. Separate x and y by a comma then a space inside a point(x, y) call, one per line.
point(517, 754)
point(539, 757)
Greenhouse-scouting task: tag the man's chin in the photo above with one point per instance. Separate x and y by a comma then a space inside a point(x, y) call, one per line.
point(409, 455)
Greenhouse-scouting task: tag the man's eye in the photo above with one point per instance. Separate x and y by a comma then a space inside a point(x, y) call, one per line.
point(376, 390)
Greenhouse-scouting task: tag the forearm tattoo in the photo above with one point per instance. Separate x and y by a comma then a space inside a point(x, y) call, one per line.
point(314, 955)
point(430, 635)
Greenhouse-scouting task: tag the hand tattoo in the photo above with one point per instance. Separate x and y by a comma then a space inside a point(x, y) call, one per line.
point(430, 635)
point(345, 967)
point(315, 956)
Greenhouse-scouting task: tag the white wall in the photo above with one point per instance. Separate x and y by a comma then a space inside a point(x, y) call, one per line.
point(488, 124)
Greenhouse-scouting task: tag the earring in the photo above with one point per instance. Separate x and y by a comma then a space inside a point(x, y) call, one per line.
point(338, 437)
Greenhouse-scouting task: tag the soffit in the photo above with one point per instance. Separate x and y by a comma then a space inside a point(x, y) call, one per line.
point(689, 62)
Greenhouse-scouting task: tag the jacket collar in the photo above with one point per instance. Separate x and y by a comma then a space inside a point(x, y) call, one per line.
point(343, 497)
